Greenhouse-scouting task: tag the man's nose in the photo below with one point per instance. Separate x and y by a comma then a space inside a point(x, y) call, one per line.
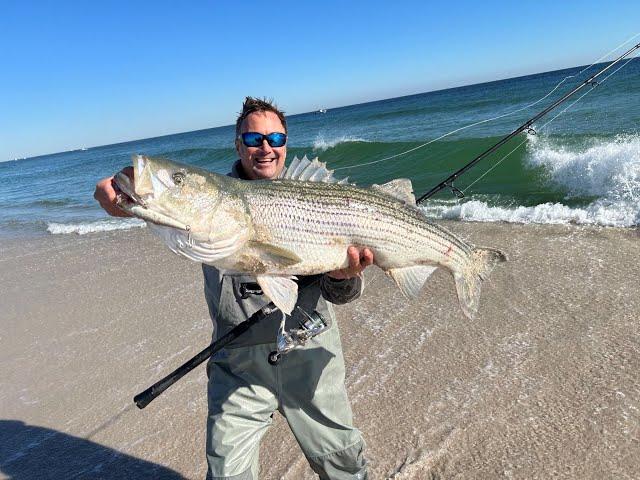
point(265, 146)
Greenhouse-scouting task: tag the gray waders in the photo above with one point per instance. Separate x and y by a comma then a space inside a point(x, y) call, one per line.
point(306, 387)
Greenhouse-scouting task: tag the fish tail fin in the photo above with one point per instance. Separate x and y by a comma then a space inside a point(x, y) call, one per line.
point(469, 280)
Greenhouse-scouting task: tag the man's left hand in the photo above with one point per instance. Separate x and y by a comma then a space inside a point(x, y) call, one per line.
point(359, 259)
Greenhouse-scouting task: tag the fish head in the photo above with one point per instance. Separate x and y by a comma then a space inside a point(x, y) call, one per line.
point(171, 194)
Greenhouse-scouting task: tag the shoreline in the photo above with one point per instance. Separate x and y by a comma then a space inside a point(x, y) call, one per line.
point(543, 383)
point(19, 237)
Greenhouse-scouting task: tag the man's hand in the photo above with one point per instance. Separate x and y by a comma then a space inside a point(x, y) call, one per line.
point(359, 259)
point(106, 194)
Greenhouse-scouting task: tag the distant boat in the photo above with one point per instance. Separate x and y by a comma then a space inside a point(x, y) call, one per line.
point(322, 110)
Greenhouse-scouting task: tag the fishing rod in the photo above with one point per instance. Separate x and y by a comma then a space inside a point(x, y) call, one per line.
point(313, 326)
point(525, 127)
point(145, 398)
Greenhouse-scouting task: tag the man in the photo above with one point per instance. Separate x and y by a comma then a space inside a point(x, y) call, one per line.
point(307, 385)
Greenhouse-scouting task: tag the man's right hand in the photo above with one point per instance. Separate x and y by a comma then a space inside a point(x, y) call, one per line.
point(106, 194)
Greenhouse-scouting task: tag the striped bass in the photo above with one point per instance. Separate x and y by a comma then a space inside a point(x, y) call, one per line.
point(299, 224)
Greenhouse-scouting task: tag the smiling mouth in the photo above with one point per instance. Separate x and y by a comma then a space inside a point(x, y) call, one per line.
point(265, 160)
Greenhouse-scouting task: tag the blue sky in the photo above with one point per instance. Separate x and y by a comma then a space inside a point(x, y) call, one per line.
point(80, 74)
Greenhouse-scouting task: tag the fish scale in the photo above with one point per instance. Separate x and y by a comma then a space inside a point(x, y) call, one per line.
point(318, 209)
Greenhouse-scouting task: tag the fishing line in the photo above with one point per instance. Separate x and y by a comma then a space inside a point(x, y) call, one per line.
point(525, 140)
point(547, 123)
point(452, 132)
point(497, 117)
point(110, 421)
point(619, 68)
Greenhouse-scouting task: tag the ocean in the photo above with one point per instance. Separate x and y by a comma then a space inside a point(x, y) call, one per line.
point(582, 168)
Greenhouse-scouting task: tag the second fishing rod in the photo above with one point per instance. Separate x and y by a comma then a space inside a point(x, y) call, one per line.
point(527, 126)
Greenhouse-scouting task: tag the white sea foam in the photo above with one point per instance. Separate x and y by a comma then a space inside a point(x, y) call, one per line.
point(609, 170)
point(91, 227)
point(597, 213)
point(323, 144)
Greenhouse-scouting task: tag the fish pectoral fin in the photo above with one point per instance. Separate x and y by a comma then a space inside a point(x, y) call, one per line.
point(276, 255)
point(411, 279)
point(400, 188)
point(282, 291)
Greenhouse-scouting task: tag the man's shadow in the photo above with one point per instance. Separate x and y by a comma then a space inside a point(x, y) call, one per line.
point(29, 452)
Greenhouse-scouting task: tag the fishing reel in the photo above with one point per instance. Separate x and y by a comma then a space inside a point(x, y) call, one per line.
point(310, 325)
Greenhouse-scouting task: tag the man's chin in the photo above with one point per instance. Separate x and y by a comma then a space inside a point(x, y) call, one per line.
point(265, 171)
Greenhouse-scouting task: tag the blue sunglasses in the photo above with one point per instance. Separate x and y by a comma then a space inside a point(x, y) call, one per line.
point(255, 139)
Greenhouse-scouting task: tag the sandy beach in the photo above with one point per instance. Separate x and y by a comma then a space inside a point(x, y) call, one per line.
point(544, 383)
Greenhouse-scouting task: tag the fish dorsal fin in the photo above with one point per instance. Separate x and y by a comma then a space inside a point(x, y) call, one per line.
point(314, 170)
point(400, 188)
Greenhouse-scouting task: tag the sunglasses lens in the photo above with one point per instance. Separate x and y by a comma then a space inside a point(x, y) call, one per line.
point(276, 139)
point(252, 139)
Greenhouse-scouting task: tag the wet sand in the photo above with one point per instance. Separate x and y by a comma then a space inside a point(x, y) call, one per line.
point(544, 383)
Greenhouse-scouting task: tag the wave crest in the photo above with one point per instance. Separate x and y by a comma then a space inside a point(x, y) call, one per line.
point(609, 169)
point(322, 144)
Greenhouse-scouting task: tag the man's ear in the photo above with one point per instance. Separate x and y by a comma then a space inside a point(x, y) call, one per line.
point(238, 146)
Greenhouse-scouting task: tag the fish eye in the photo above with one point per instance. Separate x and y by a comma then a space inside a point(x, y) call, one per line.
point(178, 178)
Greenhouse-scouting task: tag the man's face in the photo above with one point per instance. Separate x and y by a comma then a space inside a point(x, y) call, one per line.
point(265, 161)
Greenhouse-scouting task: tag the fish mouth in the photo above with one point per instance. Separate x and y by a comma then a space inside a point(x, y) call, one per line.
point(134, 198)
point(126, 189)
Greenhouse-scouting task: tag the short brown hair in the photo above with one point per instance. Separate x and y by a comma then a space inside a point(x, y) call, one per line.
point(252, 105)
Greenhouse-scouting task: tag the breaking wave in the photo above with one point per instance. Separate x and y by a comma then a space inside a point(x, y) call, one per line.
point(607, 170)
point(106, 225)
point(322, 144)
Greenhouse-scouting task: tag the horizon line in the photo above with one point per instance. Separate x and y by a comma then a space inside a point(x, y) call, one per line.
point(454, 87)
